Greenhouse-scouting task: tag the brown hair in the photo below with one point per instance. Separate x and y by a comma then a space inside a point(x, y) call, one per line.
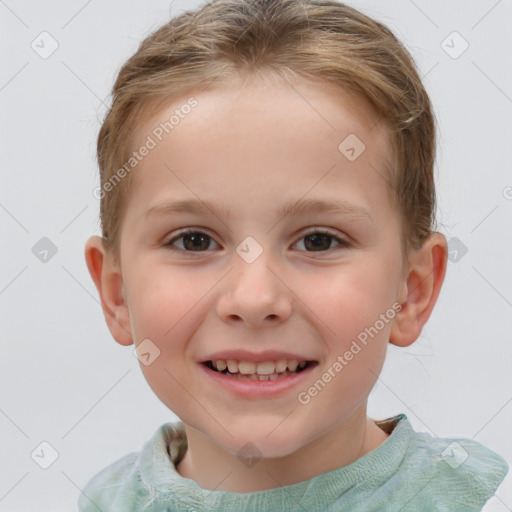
point(320, 40)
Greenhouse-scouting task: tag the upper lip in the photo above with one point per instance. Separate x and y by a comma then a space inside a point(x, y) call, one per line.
point(245, 355)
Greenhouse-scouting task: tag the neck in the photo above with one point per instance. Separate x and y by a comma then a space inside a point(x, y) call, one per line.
point(216, 469)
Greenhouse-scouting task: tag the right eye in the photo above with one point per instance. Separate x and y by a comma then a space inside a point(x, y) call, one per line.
point(193, 241)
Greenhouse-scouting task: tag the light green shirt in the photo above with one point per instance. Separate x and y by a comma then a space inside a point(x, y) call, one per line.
point(409, 472)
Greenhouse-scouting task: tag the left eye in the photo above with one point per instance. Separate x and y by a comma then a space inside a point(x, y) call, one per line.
point(320, 240)
point(316, 241)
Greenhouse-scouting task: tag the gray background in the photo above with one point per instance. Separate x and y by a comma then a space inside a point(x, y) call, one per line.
point(64, 380)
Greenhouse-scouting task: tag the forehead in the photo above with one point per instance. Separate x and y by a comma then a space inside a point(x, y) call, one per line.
point(260, 140)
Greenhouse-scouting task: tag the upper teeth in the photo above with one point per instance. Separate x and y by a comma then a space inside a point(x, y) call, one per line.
point(263, 368)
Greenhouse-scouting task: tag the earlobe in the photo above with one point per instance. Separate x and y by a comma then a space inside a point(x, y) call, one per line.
point(427, 269)
point(109, 283)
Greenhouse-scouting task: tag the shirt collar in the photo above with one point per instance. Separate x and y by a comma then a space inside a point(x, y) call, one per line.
point(161, 454)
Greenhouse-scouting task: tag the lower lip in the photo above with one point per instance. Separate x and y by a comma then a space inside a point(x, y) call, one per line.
point(258, 388)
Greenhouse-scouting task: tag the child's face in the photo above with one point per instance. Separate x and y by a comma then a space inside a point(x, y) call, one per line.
point(252, 150)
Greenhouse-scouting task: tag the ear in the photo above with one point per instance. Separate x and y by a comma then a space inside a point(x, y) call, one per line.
point(109, 282)
point(427, 269)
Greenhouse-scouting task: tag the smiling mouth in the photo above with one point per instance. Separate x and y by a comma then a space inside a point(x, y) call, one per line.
point(268, 370)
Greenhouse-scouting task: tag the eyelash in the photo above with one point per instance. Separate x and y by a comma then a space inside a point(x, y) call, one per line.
point(343, 243)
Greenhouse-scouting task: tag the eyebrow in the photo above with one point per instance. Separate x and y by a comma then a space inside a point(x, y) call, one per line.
point(293, 207)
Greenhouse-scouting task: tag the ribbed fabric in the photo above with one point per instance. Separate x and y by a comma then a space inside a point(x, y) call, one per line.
point(409, 472)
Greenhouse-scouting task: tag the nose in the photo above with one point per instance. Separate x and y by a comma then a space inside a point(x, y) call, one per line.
point(255, 295)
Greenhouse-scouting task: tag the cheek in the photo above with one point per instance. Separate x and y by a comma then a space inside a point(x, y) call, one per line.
point(355, 324)
point(355, 307)
point(352, 298)
point(163, 309)
point(161, 298)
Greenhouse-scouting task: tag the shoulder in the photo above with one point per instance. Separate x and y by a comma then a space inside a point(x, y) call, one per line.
point(501, 501)
point(102, 489)
point(128, 484)
point(459, 473)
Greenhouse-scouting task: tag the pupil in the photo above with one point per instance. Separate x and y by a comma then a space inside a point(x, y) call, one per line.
point(318, 238)
point(195, 237)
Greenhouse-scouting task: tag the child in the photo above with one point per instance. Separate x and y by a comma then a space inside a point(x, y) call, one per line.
point(267, 204)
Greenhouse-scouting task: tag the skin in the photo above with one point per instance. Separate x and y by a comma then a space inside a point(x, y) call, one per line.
point(252, 146)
